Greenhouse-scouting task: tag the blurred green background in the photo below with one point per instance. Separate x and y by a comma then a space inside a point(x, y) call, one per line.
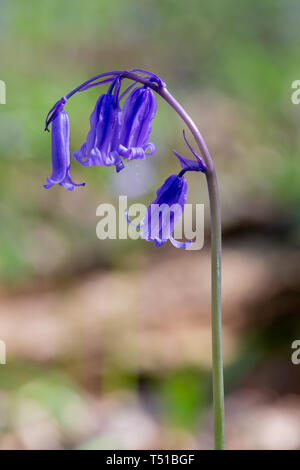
point(108, 342)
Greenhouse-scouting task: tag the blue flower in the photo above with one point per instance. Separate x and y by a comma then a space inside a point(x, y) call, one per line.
point(115, 132)
point(60, 136)
point(165, 211)
point(102, 140)
point(138, 111)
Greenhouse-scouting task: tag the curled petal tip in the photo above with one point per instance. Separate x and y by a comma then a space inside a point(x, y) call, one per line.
point(159, 242)
point(190, 165)
point(181, 245)
point(120, 167)
point(137, 153)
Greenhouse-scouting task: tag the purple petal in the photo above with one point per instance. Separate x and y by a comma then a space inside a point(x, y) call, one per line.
point(129, 221)
point(102, 140)
point(181, 245)
point(193, 151)
point(165, 211)
point(137, 153)
point(159, 242)
point(60, 136)
point(116, 160)
point(189, 165)
point(69, 183)
point(138, 111)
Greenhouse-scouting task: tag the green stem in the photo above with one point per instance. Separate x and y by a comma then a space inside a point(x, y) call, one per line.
point(216, 256)
point(217, 360)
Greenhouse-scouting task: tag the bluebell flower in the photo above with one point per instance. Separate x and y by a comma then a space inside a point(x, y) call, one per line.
point(60, 136)
point(114, 132)
point(101, 146)
point(164, 213)
point(138, 111)
point(166, 210)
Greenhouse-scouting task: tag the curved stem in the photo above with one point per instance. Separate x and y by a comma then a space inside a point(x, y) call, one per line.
point(216, 255)
point(131, 74)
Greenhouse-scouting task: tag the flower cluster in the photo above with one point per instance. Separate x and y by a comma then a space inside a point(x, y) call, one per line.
point(122, 132)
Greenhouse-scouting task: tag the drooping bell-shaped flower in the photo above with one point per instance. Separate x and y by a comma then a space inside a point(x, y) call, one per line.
point(60, 136)
point(138, 111)
point(164, 213)
point(102, 140)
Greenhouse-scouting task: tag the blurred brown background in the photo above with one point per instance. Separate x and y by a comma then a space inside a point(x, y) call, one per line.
point(108, 342)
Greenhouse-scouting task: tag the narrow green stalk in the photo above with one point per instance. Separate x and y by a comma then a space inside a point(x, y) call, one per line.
point(217, 360)
point(216, 256)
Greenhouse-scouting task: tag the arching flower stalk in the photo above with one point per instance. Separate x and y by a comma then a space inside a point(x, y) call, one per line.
point(121, 133)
